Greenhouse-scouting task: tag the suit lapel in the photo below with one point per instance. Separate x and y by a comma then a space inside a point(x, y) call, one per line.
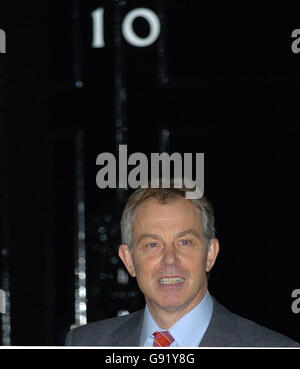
point(129, 333)
point(221, 330)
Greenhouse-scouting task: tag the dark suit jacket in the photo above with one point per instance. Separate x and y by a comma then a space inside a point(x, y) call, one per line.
point(224, 330)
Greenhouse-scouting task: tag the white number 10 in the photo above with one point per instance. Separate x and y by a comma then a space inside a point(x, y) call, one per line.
point(127, 29)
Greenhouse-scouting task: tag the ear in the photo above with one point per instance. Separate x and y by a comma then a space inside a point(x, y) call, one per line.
point(212, 254)
point(126, 257)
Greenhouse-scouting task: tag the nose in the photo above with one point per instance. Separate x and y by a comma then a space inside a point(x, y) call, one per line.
point(169, 255)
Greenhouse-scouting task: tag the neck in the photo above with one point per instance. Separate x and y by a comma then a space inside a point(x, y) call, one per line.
point(166, 317)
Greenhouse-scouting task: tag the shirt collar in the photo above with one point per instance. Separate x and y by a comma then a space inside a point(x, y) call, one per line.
point(183, 330)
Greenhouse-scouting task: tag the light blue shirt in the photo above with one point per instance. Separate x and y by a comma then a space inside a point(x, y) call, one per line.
point(187, 331)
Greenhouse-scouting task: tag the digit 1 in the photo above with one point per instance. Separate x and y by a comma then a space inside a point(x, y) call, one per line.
point(98, 29)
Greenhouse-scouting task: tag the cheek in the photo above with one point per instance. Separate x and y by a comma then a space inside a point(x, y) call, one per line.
point(196, 265)
point(145, 268)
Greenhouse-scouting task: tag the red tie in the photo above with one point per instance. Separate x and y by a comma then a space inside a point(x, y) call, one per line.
point(162, 339)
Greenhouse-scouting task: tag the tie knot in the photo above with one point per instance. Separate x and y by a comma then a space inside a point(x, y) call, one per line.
point(162, 339)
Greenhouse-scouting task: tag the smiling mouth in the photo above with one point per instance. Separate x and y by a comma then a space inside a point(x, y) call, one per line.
point(171, 280)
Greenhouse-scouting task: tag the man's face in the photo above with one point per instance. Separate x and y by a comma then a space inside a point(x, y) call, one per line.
point(170, 257)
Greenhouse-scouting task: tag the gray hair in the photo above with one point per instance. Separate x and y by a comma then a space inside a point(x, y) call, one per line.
point(164, 196)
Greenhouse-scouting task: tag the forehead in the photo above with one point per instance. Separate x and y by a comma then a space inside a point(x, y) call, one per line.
point(152, 215)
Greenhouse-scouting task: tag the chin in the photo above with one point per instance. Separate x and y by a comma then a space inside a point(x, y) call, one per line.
point(171, 303)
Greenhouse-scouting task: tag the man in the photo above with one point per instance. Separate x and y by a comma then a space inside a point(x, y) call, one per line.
point(169, 245)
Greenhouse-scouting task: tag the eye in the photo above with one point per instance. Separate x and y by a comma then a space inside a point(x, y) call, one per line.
point(184, 242)
point(152, 245)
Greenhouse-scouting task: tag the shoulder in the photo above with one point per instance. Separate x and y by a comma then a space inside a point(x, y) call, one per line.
point(98, 333)
point(247, 332)
point(256, 335)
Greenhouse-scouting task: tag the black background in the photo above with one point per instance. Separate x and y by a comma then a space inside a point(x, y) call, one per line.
point(232, 92)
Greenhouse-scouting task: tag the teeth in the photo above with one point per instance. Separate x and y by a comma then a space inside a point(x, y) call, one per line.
point(170, 280)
